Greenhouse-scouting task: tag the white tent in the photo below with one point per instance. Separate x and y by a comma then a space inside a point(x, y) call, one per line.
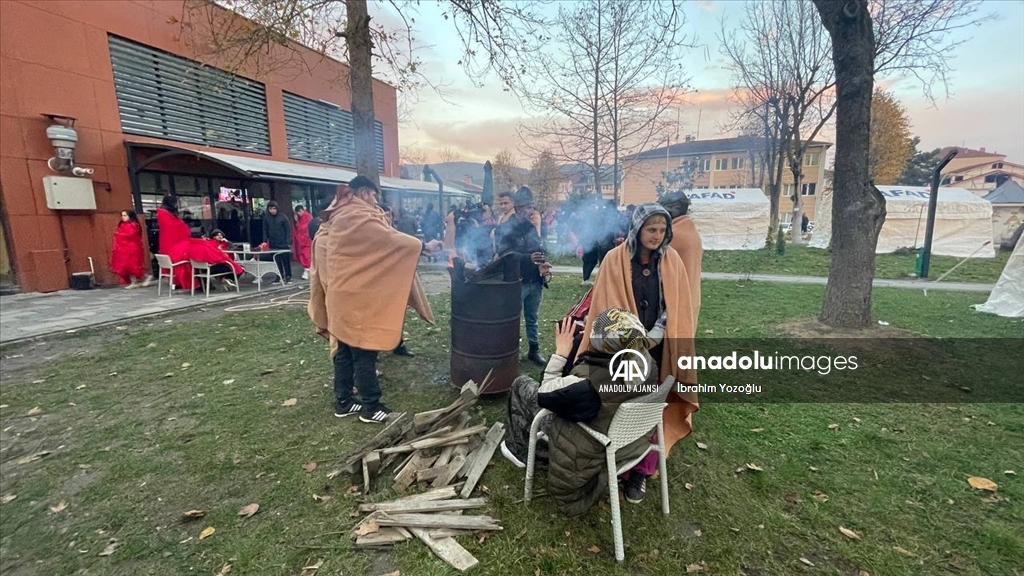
point(730, 219)
point(1007, 298)
point(963, 222)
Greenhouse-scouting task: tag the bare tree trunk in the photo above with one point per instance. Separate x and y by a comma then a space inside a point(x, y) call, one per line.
point(858, 209)
point(360, 50)
point(775, 200)
point(798, 200)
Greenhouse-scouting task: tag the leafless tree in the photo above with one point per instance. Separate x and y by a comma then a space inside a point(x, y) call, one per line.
point(605, 83)
point(446, 156)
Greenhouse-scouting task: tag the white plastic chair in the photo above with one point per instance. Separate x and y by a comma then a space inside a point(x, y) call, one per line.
point(632, 420)
point(164, 263)
point(202, 270)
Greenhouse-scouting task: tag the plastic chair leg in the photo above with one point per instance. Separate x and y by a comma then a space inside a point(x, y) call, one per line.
point(613, 493)
point(663, 469)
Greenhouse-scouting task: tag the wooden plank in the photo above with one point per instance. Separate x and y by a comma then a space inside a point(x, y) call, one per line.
point(371, 464)
point(447, 549)
point(392, 430)
point(446, 532)
point(445, 457)
point(424, 505)
point(389, 535)
point(444, 440)
point(442, 493)
point(438, 521)
point(479, 464)
point(450, 471)
point(408, 474)
point(430, 473)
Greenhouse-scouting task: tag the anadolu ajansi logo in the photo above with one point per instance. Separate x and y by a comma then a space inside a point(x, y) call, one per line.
point(629, 369)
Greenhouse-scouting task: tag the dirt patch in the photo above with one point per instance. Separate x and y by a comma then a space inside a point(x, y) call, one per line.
point(435, 281)
point(813, 328)
point(881, 342)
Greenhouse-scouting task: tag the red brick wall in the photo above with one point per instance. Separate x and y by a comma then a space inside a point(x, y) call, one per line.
point(54, 59)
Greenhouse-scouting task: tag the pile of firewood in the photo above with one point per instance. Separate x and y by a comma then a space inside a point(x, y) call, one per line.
point(439, 449)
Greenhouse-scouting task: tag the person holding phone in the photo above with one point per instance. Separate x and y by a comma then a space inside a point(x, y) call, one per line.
point(519, 235)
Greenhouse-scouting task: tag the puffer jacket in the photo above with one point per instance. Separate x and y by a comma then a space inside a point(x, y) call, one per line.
point(577, 471)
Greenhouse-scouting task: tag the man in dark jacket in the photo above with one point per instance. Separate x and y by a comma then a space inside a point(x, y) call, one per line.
point(519, 235)
point(277, 231)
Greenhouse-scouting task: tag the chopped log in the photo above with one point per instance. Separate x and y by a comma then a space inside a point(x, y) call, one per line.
point(479, 464)
point(384, 536)
point(371, 464)
point(438, 521)
point(424, 505)
point(408, 474)
point(447, 549)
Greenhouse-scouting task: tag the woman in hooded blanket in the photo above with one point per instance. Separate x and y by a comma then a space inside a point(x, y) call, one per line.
point(302, 241)
point(577, 472)
point(647, 277)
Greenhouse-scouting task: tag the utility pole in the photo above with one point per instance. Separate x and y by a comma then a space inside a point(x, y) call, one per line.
point(933, 203)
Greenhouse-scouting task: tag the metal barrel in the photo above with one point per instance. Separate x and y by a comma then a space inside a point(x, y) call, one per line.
point(485, 326)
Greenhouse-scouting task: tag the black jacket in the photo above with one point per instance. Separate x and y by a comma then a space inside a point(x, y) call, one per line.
point(518, 235)
point(277, 230)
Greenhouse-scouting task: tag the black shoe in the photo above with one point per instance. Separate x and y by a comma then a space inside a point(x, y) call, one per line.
point(342, 410)
point(636, 488)
point(378, 415)
point(403, 351)
point(535, 356)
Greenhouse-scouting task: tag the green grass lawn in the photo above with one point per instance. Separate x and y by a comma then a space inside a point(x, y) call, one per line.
point(136, 437)
point(805, 261)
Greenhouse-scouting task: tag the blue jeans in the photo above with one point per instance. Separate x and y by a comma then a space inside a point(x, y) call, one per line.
point(533, 293)
point(354, 366)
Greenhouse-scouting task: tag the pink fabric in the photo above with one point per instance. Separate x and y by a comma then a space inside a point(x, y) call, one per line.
point(647, 466)
point(127, 258)
point(301, 242)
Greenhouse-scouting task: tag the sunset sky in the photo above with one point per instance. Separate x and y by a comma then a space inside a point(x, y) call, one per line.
point(985, 107)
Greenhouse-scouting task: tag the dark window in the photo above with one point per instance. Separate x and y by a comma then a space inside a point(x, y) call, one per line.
point(990, 178)
point(959, 178)
point(945, 180)
point(808, 189)
point(166, 96)
point(321, 132)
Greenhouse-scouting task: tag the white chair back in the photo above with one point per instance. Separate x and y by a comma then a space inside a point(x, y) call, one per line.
point(200, 266)
point(164, 260)
point(639, 416)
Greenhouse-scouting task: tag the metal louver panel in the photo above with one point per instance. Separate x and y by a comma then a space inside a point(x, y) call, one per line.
point(319, 132)
point(167, 96)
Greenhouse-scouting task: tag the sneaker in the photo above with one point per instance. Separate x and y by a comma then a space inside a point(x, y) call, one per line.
point(341, 410)
point(131, 286)
point(378, 415)
point(147, 281)
point(587, 283)
point(636, 488)
point(230, 284)
point(305, 274)
point(511, 457)
point(288, 281)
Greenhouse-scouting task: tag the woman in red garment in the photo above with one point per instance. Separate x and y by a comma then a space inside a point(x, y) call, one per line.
point(301, 240)
point(202, 250)
point(127, 258)
point(172, 231)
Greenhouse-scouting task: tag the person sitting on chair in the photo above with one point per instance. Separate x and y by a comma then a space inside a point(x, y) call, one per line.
point(576, 462)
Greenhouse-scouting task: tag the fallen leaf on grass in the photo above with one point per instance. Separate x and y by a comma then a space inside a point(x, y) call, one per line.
point(352, 490)
point(249, 510)
point(268, 371)
point(34, 411)
point(169, 374)
point(793, 498)
point(688, 486)
point(207, 532)
point(40, 381)
point(33, 457)
point(185, 365)
point(903, 551)
point(111, 546)
point(320, 498)
point(849, 533)
point(290, 402)
point(806, 561)
point(754, 467)
point(980, 483)
point(855, 419)
point(59, 507)
point(833, 426)
point(594, 549)
point(229, 381)
point(224, 570)
point(151, 345)
point(1009, 472)
point(368, 527)
point(702, 446)
point(309, 466)
point(80, 387)
point(312, 568)
point(395, 573)
point(698, 533)
point(820, 496)
point(863, 573)
point(757, 429)
point(221, 349)
point(812, 468)
point(7, 498)
point(696, 567)
point(481, 537)
point(193, 514)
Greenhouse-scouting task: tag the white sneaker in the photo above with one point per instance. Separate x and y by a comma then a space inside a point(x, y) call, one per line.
point(131, 286)
point(510, 456)
point(305, 274)
point(147, 281)
point(587, 283)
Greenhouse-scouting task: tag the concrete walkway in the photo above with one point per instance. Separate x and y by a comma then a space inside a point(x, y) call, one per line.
point(33, 315)
point(821, 281)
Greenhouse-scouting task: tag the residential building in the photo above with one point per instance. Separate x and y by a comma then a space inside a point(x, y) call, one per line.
point(151, 119)
point(579, 180)
point(978, 170)
point(721, 163)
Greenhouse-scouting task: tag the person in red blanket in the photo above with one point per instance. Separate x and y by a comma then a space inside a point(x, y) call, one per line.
point(202, 250)
point(301, 239)
point(172, 229)
point(127, 257)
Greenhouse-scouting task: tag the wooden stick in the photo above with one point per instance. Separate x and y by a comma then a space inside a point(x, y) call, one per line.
point(447, 549)
point(438, 521)
point(442, 493)
point(445, 457)
point(479, 464)
point(424, 506)
point(393, 430)
point(408, 474)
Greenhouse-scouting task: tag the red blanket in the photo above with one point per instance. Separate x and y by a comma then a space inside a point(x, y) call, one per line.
point(201, 250)
point(127, 257)
point(172, 230)
point(301, 242)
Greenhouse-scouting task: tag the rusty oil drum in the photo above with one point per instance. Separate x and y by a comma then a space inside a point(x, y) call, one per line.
point(485, 325)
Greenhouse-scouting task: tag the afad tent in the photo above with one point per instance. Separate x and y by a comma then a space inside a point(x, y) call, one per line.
point(730, 219)
point(1007, 298)
point(963, 222)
